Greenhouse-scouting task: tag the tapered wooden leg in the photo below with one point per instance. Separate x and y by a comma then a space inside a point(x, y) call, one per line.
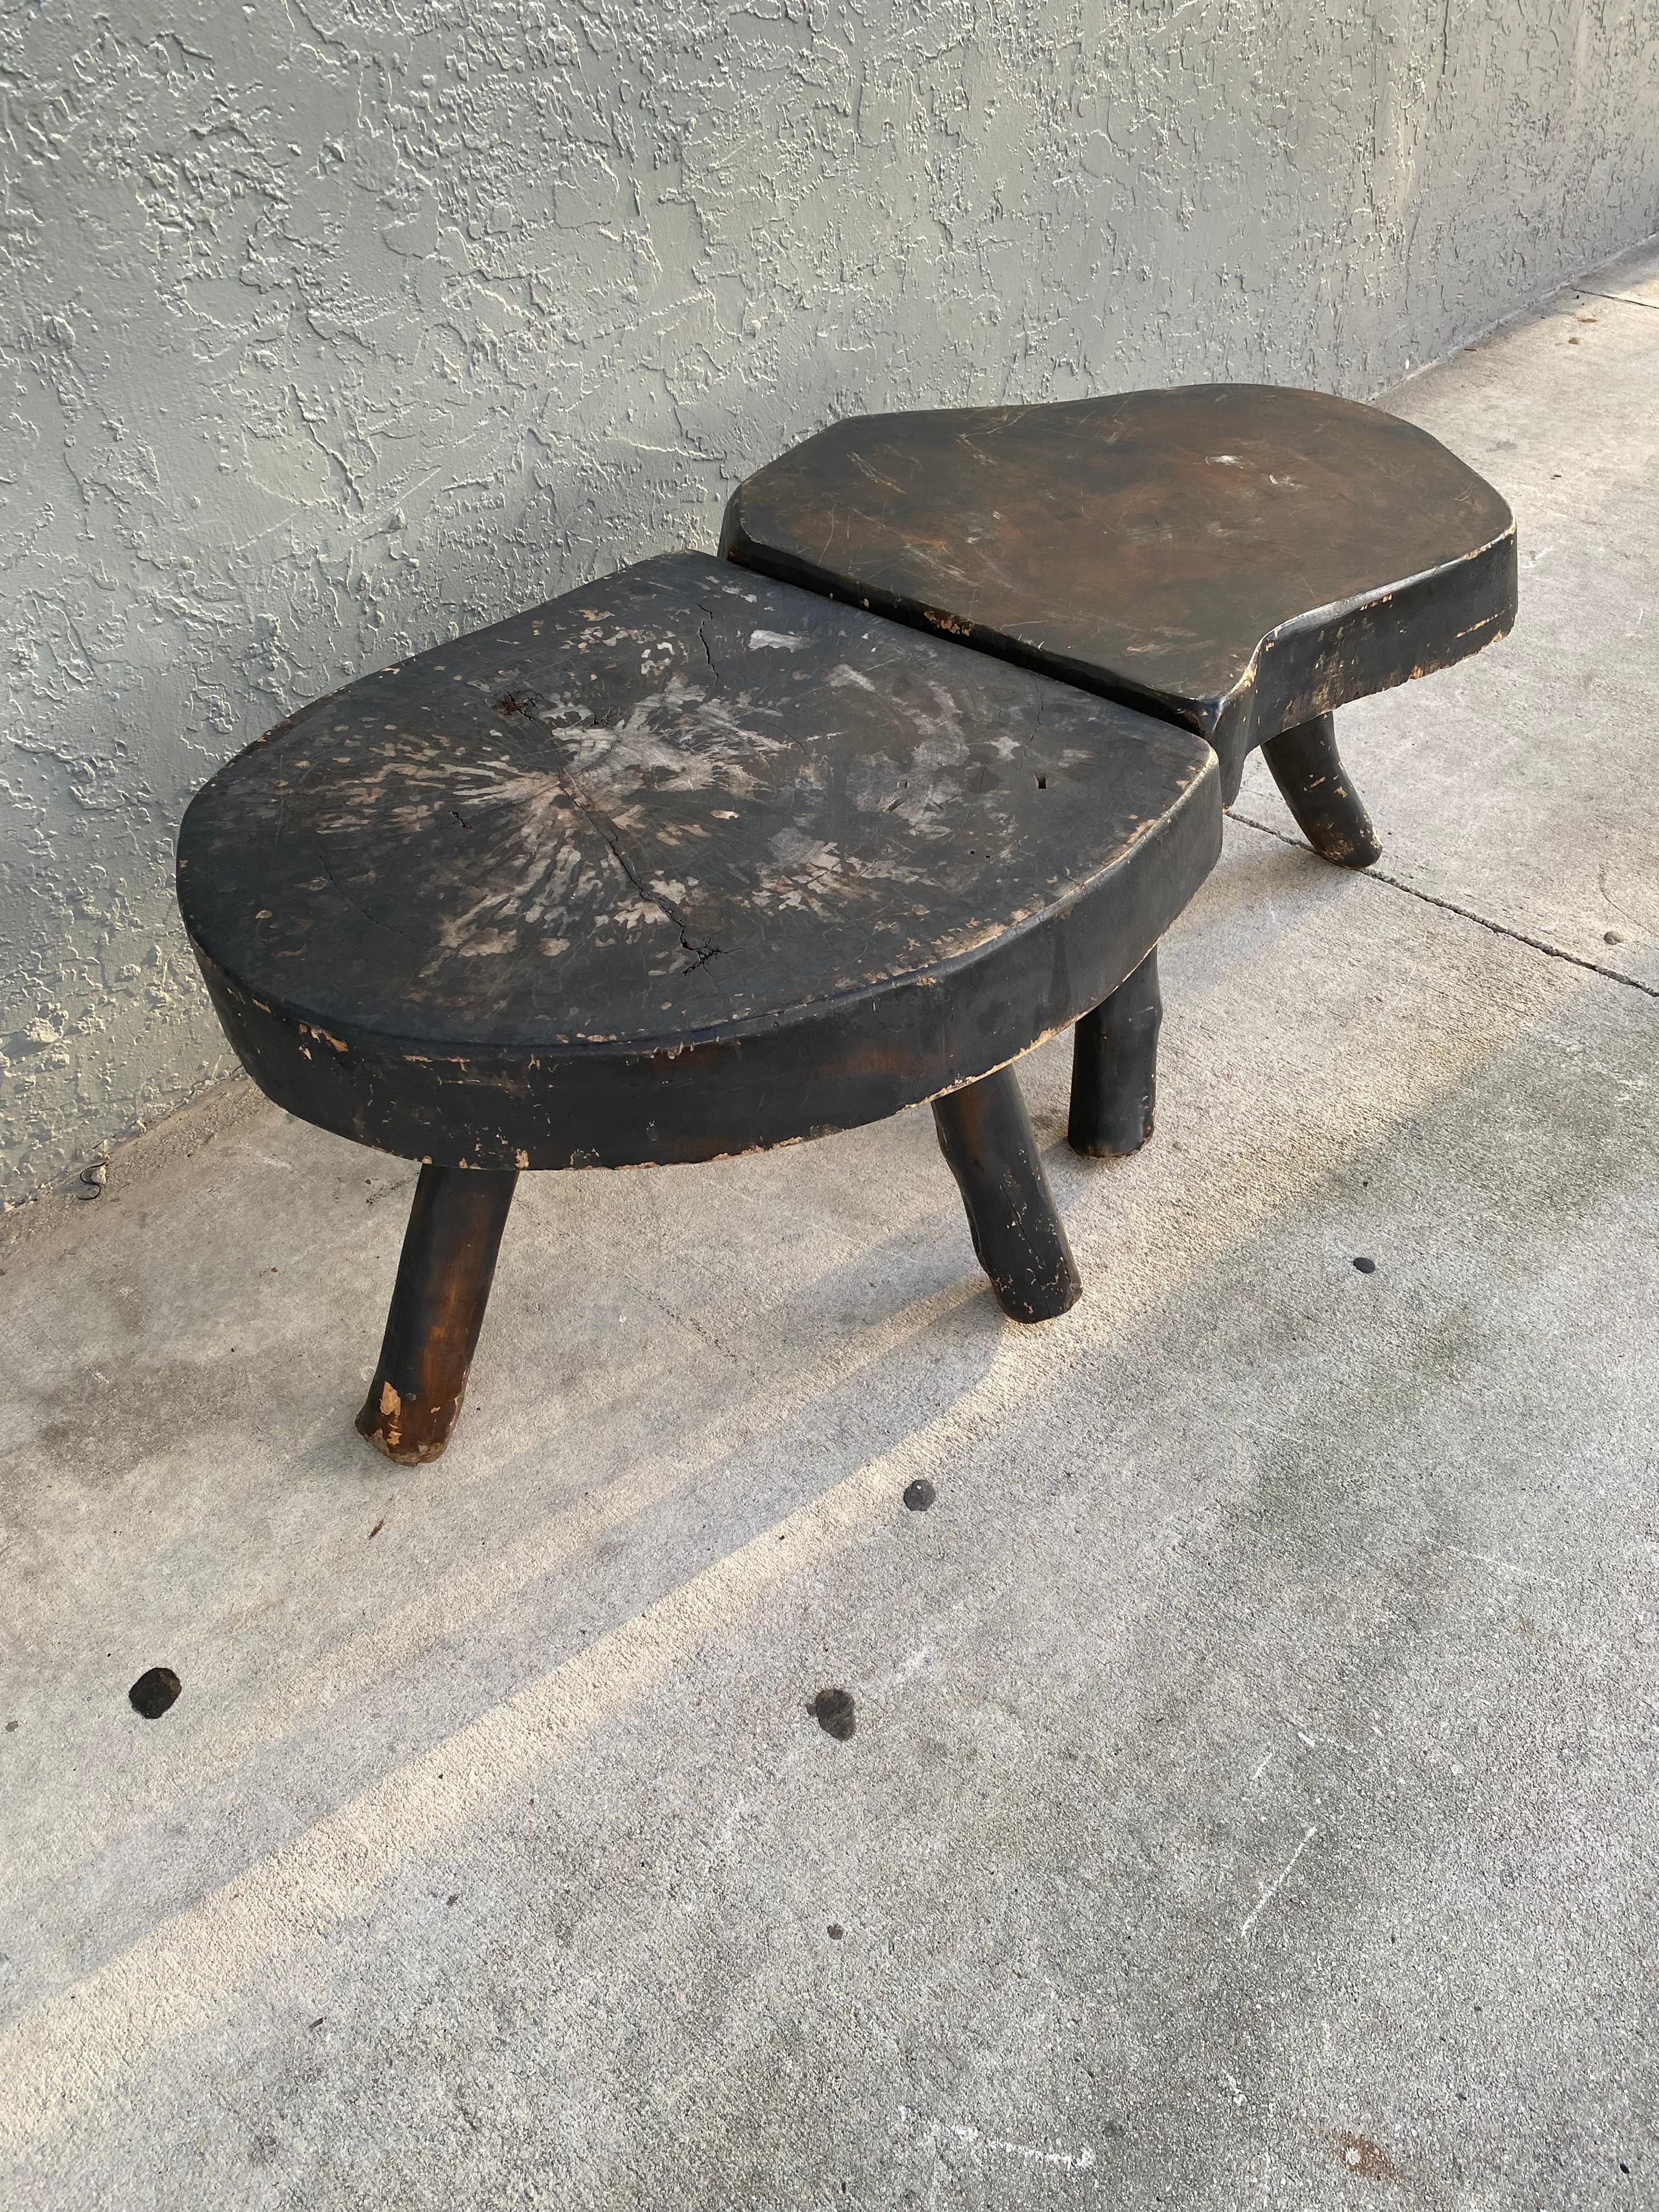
point(437, 1310)
point(1329, 812)
point(1115, 1068)
point(986, 1135)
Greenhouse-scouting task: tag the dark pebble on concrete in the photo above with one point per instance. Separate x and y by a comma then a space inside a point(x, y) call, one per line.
point(833, 1711)
point(1366, 1266)
point(155, 1689)
point(920, 1494)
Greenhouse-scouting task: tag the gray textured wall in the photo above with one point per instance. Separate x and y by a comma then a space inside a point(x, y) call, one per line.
point(331, 328)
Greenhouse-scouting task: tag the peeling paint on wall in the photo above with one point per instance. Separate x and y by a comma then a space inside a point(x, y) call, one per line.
point(331, 330)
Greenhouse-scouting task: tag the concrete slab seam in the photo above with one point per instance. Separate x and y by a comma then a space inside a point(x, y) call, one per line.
point(1447, 906)
point(1623, 299)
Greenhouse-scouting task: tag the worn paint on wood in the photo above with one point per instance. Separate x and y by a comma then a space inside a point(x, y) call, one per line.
point(1115, 1069)
point(685, 863)
point(985, 1136)
point(1236, 559)
point(438, 1304)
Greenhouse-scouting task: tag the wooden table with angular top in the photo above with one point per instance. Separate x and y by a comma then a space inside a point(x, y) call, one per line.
point(685, 864)
point(1241, 560)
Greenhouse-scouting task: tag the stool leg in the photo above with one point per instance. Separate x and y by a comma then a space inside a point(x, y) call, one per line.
point(1329, 812)
point(1115, 1068)
point(437, 1310)
point(985, 1134)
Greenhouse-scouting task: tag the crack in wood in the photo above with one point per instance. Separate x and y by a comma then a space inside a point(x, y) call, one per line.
point(527, 703)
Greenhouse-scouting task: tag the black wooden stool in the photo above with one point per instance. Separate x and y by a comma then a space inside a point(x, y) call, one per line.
point(1238, 559)
point(684, 865)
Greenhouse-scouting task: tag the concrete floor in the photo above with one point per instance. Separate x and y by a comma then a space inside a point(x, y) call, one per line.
point(1253, 1800)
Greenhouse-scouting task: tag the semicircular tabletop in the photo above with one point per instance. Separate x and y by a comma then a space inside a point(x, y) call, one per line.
point(684, 863)
point(1238, 558)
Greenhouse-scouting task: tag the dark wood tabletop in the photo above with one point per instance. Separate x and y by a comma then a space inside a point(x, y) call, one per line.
point(684, 863)
point(1237, 558)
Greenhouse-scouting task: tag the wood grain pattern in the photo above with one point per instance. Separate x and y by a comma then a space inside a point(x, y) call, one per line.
point(1238, 559)
point(689, 862)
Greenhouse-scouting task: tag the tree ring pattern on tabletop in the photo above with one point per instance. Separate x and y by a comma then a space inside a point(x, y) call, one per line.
point(682, 808)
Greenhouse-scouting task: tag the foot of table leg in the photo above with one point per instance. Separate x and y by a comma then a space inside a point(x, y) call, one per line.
point(437, 1310)
point(1329, 812)
point(985, 1133)
point(1115, 1068)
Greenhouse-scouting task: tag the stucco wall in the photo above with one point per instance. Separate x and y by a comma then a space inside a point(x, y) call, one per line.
point(330, 329)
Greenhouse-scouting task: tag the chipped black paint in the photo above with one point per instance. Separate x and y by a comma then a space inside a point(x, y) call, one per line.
point(438, 1304)
point(985, 1136)
point(1319, 793)
point(1115, 1069)
point(1238, 559)
point(682, 865)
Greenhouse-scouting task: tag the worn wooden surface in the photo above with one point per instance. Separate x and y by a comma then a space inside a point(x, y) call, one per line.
point(686, 863)
point(1321, 795)
point(1115, 1069)
point(437, 1303)
point(985, 1136)
point(1239, 558)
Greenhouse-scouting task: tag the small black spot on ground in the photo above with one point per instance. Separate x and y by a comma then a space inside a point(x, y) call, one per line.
point(374, 1532)
point(453, 1897)
point(834, 1711)
point(920, 1494)
point(156, 1689)
point(837, 1931)
point(11, 1727)
point(1365, 1266)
